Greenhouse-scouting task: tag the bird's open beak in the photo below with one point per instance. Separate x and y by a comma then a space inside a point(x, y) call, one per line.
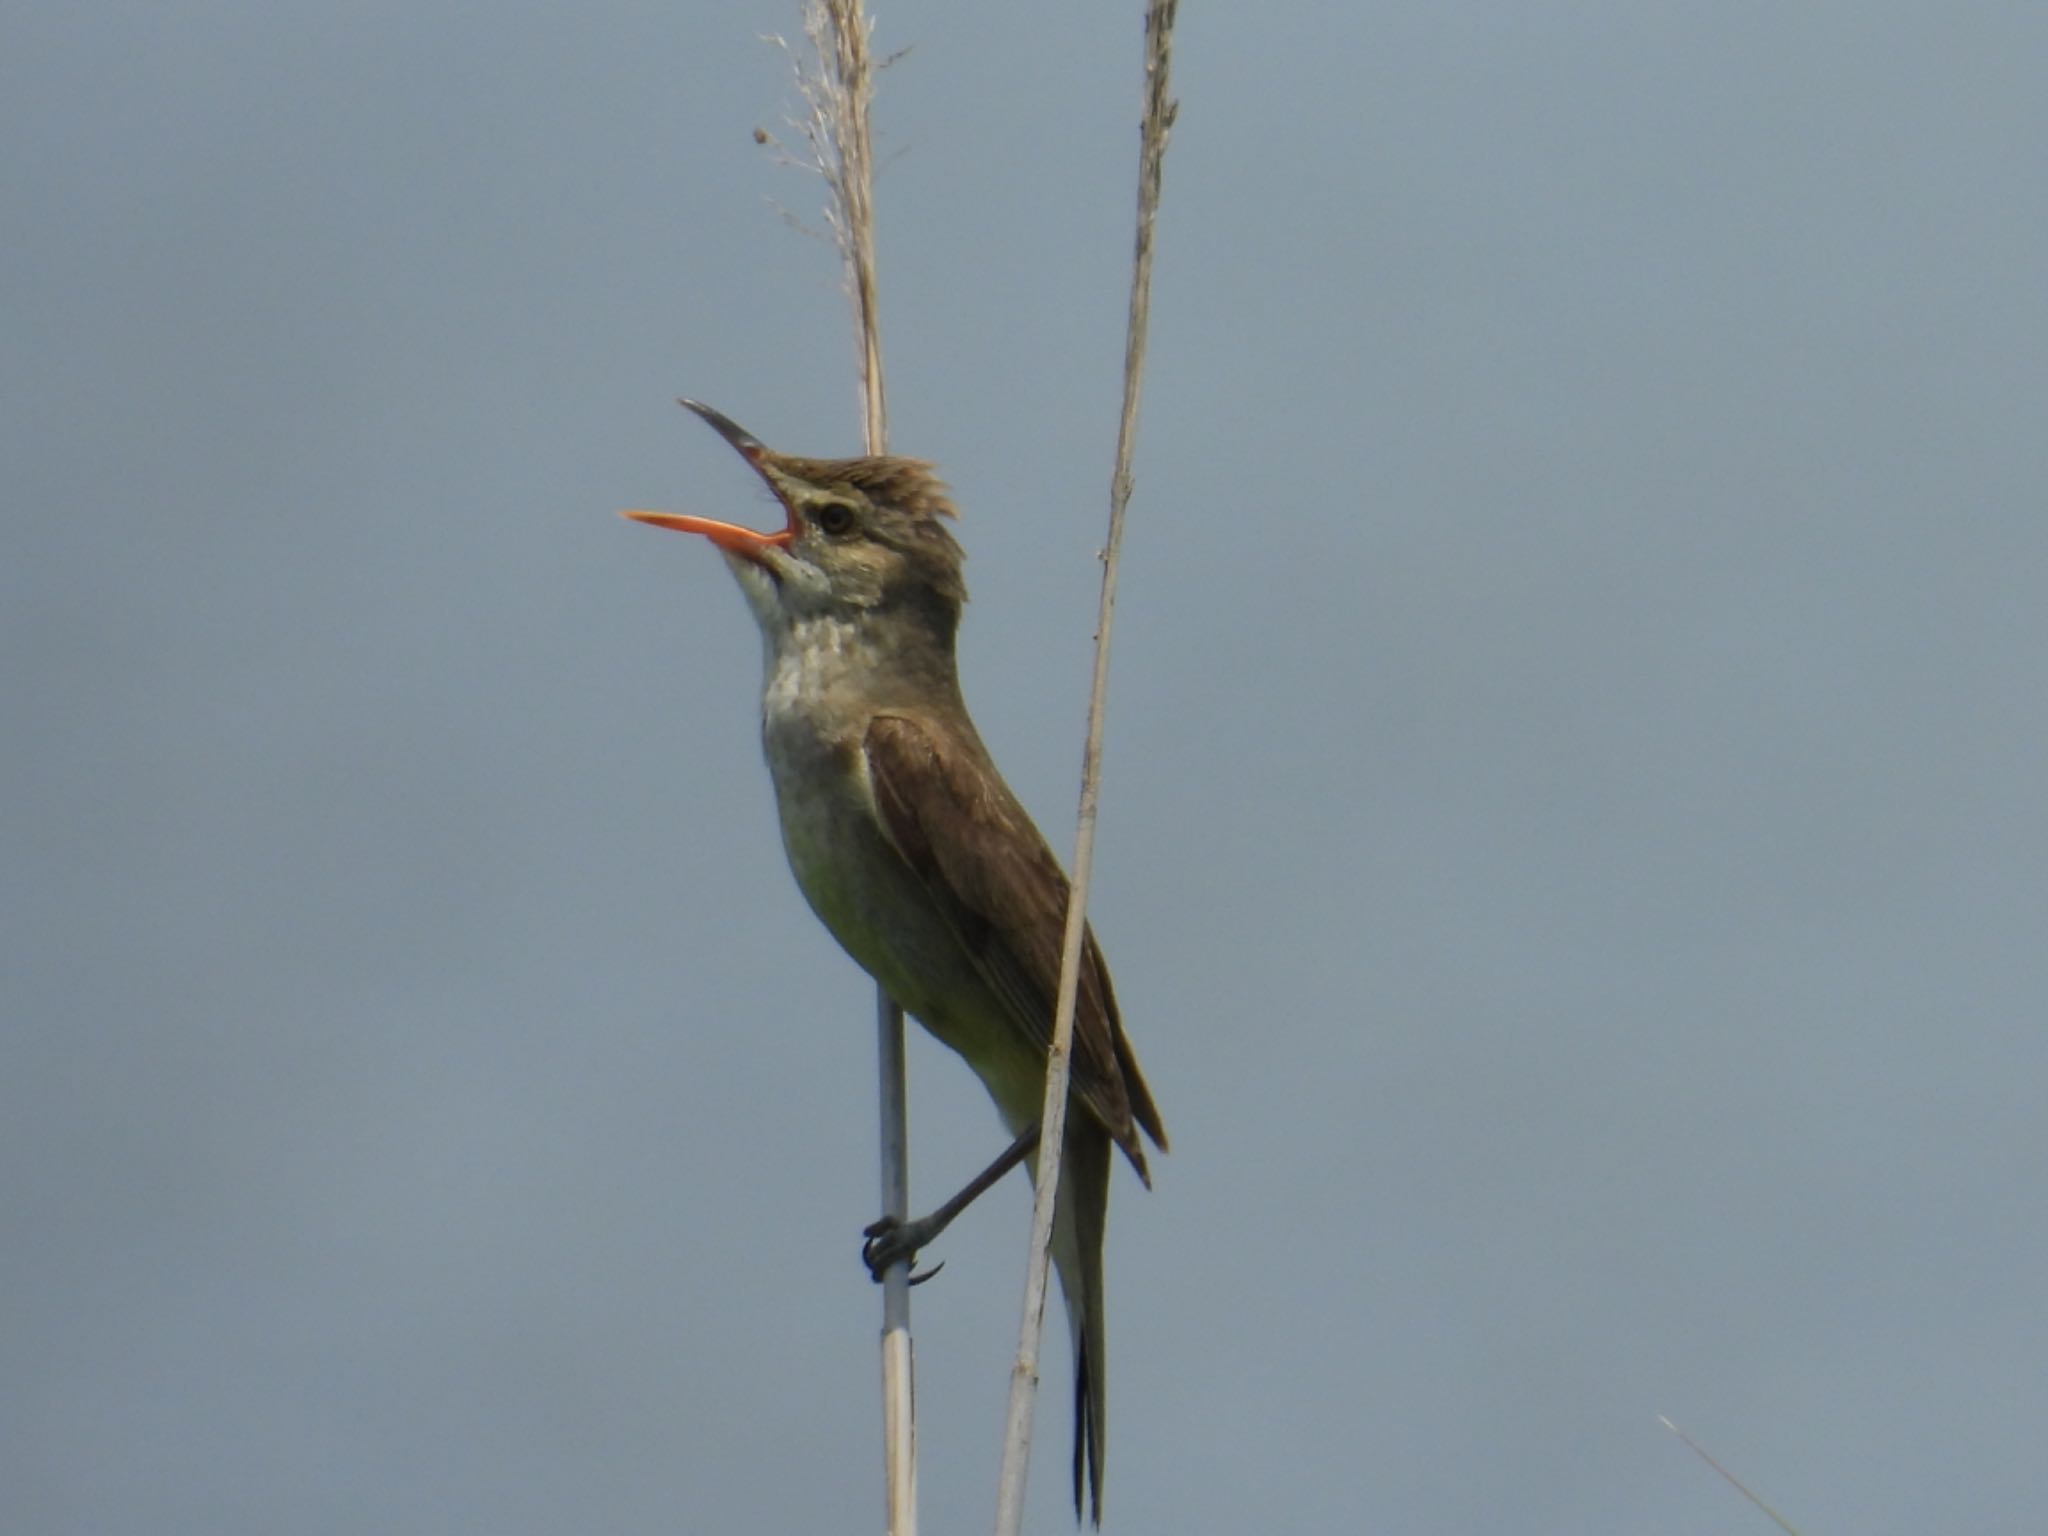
point(729, 537)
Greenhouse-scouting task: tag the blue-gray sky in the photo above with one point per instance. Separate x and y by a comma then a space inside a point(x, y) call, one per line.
point(1573, 835)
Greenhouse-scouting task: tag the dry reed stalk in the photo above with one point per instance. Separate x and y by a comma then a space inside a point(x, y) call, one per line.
point(1735, 1482)
point(1155, 127)
point(836, 81)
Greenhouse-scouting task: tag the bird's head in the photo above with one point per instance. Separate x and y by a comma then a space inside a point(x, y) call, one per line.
point(862, 538)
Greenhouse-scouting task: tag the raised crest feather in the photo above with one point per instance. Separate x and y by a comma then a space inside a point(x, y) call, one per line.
point(909, 485)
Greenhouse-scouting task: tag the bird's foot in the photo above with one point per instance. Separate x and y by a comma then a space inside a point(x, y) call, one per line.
point(892, 1240)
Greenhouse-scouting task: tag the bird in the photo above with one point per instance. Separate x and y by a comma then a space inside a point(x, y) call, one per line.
point(914, 853)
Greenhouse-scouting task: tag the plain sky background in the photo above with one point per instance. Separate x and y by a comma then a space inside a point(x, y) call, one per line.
point(1574, 832)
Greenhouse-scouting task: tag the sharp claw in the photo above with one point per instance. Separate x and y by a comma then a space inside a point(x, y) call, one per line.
point(886, 1247)
point(871, 1253)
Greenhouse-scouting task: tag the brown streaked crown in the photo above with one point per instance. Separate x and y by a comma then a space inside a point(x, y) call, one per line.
point(908, 485)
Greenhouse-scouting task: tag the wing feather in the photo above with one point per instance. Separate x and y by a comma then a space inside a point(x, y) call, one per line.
point(1005, 896)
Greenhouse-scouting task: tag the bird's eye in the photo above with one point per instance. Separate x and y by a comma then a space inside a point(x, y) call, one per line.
point(834, 518)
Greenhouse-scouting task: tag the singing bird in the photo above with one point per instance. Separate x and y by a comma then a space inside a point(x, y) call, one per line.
point(914, 853)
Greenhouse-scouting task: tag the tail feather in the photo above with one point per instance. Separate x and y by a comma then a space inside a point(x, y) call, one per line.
point(1079, 1227)
point(1087, 1448)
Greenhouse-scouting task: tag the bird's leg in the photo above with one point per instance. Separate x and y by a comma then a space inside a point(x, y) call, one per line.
point(890, 1239)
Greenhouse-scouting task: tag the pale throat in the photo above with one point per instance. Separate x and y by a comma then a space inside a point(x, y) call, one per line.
point(819, 668)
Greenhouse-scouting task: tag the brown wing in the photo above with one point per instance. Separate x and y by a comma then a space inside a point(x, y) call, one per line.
point(959, 827)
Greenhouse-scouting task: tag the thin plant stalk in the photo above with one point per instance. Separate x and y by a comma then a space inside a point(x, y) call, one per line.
point(899, 1395)
point(1156, 125)
point(1733, 1481)
point(837, 84)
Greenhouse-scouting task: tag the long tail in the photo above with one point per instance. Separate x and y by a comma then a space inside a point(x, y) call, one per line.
point(1078, 1229)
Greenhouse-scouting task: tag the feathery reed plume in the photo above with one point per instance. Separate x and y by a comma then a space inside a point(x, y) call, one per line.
point(835, 79)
